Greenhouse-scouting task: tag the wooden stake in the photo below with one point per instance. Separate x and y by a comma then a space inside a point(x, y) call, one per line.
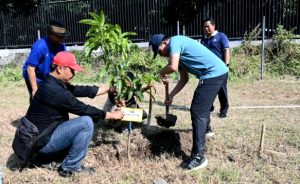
point(150, 109)
point(262, 140)
point(128, 141)
point(128, 147)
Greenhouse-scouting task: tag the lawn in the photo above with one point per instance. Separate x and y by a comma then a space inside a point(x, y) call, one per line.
point(155, 152)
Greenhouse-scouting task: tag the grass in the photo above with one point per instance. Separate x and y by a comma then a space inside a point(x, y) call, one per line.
point(157, 152)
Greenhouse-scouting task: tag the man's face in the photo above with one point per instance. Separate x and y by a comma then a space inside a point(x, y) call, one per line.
point(208, 28)
point(66, 73)
point(56, 39)
point(163, 49)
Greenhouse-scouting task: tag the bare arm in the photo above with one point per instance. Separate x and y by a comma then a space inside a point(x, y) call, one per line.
point(32, 79)
point(103, 90)
point(171, 67)
point(227, 55)
point(184, 78)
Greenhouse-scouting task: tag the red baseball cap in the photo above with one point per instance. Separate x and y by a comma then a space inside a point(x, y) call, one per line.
point(68, 59)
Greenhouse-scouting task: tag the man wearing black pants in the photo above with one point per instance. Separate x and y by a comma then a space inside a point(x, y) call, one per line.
point(190, 56)
point(218, 43)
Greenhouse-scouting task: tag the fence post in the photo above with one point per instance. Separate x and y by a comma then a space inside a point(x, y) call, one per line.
point(39, 34)
point(263, 48)
point(4, 32)
point(178, 27)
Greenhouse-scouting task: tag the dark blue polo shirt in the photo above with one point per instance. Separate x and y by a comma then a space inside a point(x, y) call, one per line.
point(41, 57)
point(216, 44)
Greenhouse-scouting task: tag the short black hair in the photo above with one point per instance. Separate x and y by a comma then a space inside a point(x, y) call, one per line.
point(53, 67)
point(210, 20)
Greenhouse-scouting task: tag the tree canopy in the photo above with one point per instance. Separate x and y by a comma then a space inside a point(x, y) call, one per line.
point(19, 6)
point(183, 11)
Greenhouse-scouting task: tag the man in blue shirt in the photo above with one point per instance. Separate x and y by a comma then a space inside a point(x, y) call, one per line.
point(190, 56)
point(218, 43)
point(38, 63)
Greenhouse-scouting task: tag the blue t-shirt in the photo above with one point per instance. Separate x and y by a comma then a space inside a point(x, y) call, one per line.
point(196, 58)
point(217, 44)
point(41, 57)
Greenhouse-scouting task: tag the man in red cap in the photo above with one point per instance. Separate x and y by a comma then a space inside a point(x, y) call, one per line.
point(38, 63)
point(52, 103)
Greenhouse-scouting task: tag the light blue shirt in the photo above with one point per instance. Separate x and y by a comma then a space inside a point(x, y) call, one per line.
point(196, 58)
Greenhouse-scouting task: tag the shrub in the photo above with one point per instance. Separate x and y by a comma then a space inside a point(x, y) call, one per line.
point(283, 54)
point(11, 73)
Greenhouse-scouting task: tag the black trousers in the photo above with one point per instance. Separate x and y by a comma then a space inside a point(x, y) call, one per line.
point(203, 99)
point(223, 99)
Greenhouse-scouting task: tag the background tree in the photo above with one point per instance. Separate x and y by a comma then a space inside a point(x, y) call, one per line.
point(19, 6)
point(183, 11)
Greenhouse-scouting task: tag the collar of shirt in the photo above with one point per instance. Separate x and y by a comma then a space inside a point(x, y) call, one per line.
point(213, 34)
point(60, 82)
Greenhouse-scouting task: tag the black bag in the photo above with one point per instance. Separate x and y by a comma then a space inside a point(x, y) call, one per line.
point(24, 143)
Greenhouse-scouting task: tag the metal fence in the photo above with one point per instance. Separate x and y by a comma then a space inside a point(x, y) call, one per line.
point(145, 17)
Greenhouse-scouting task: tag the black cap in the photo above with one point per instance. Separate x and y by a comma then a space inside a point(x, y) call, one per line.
point(155, 42)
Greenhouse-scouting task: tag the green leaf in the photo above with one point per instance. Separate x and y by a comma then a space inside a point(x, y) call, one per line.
point(130, 95)
point(119, 86)
point(89, 22)
point(139, 95)
point(95, 16)
point(101, 18)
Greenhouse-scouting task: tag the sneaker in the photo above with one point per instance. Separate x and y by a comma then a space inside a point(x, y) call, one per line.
point(185, 163)
point(222, 115)
point(82, 169)
point(198, 162)
point(209, 134)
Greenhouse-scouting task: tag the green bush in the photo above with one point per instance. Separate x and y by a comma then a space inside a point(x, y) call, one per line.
point(243, 65)
point(283, 54)
point(91, 66)
point(11, 73)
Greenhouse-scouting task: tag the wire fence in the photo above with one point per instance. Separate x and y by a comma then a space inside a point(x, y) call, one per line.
point(146, 17)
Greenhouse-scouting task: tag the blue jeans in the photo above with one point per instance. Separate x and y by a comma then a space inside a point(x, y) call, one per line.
point(74, 134)
point(203, 99)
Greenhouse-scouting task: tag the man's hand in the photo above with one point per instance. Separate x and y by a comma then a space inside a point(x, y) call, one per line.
point(169, 101)
point(113, 90)
point(115, 115)
point(33, 92)
point(121, 103)
point(164, 78)
point(103, 90)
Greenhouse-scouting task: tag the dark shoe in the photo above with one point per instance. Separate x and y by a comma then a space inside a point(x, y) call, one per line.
point(88, 170)
point(222, 115)
point(212, 108)
point(197, 162)
point(185, 163)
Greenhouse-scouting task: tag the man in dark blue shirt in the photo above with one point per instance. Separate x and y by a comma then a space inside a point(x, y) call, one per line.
point(52, 103)
point(39, 61)
point(218, 43)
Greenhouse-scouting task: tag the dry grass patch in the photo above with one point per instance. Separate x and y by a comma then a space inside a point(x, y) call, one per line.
point(156, 152)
